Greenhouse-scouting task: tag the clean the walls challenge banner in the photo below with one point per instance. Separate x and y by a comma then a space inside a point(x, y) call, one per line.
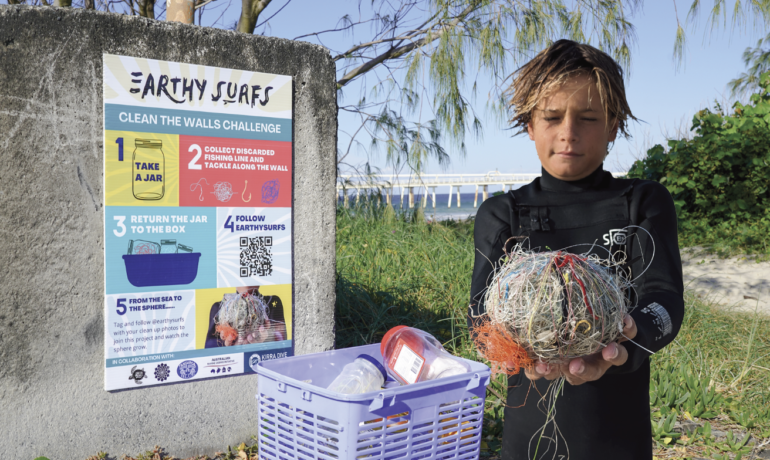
point(198, 195)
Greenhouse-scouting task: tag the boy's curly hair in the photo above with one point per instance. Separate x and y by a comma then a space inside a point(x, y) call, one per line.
point(536, 79)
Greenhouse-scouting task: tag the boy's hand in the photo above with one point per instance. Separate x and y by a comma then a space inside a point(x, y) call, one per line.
point(549, 371)
point(592, 367)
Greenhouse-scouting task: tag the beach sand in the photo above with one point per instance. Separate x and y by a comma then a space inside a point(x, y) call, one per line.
point(728, 281)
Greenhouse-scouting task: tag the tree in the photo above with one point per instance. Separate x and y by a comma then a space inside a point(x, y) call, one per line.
point(414, 78)
point(719, 175)
point(250, 11)
point(757, 60)
point(420, 55)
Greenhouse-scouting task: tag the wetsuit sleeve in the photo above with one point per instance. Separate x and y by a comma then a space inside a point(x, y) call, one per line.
point(491, 230)
point(657, 270)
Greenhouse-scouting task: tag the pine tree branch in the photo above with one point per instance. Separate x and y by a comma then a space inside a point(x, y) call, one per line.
point(396, 52)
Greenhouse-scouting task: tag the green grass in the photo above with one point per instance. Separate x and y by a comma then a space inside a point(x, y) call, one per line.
point(391, 273)
point(717, 371)
point(728, 238)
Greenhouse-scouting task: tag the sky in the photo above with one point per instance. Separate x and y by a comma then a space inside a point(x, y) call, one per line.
point(663, 97)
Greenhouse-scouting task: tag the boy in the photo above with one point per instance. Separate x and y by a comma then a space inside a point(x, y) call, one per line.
point(571, 101)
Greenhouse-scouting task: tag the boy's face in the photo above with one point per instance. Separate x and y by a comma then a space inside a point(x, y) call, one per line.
point(570, 130)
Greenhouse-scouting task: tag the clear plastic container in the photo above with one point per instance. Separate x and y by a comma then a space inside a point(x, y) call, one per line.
point(149, 170)
point(363, 375)
point(168, 246)
point(136, 247)
point(411, 355)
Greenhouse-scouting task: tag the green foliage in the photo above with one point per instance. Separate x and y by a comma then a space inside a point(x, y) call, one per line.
point(726, 238)
point(719, 178)
point(757, 61)
point(721, 174)
point(675, 386)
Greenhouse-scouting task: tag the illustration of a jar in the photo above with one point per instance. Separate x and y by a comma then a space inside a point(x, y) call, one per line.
point(149, 170)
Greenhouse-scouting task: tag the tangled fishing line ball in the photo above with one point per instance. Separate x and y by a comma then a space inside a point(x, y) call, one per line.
point(550, 307)
point(240, 318)
point(145, 248)
point(223, 191)
point(270, 191)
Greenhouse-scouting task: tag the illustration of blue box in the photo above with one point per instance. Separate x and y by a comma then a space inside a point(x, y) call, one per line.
point(161, 269)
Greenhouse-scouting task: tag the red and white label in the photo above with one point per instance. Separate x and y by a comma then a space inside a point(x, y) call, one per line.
point(408, 364)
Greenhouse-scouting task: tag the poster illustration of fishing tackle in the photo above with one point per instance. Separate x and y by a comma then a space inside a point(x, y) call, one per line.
point(198, 215)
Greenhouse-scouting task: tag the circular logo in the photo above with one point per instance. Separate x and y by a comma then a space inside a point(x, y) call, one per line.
point(187, 369)
point(162, 372)
point(253, 361)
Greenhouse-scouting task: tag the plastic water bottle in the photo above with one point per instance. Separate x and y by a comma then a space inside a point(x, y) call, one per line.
point(363, 375)
point(412, 355)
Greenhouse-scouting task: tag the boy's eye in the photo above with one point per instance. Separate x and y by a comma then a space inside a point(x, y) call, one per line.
point(589, 119)
point(550, 118)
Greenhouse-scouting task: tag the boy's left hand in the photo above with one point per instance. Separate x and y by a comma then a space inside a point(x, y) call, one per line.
point(592, 367)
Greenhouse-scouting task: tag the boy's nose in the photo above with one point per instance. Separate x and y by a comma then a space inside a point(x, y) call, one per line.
point(568, 132)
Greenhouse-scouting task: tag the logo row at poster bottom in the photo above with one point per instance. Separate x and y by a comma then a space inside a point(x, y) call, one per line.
point(167, 368)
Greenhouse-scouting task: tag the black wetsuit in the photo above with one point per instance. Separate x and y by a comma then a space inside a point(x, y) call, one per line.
point(608, 418)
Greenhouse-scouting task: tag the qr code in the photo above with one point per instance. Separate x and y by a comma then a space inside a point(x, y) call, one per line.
point(256, 256)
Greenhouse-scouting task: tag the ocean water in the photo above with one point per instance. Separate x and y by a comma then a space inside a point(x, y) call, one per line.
point(441, 211)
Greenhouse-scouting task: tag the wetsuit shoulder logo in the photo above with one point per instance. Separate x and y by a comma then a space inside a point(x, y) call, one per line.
point(616, 236)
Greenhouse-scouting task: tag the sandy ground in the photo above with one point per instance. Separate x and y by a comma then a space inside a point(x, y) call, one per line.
point(728, 281)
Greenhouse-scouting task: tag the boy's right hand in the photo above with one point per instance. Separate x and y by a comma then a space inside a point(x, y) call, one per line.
point(549, 371)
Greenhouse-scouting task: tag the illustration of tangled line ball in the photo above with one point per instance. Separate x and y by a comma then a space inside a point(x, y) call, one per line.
point(553, 305)
point(145, 248)
point(270, 191)
point(223, 191)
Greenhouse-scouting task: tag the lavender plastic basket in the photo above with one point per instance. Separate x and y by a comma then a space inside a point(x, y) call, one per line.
point(300, 419)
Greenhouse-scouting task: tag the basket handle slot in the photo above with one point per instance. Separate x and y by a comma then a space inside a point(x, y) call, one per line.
point(282, 387)
point(474, 382)
point(381, 400)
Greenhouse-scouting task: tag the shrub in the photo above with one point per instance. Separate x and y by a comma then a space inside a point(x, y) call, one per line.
point(721, 174)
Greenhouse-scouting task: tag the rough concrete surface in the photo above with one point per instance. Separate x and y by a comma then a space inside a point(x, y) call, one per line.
point(51, 234)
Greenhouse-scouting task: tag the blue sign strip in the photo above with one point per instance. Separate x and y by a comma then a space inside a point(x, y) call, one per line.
point(186, 122)
point(188, 354)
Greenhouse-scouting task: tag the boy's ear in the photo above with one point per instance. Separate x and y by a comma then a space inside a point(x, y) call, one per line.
point(531, 131)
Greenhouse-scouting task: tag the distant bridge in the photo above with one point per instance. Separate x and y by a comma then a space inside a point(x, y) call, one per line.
point(407, 183)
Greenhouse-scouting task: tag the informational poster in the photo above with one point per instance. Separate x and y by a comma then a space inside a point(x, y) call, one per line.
point(197, 222)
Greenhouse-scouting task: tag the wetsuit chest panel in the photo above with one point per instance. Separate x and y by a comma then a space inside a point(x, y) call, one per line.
point(575, 227)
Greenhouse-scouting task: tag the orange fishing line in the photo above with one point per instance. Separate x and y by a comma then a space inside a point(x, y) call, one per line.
point(499, 348)
point(227, 332)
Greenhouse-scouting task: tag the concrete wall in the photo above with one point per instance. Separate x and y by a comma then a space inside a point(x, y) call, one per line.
point(51, 234)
